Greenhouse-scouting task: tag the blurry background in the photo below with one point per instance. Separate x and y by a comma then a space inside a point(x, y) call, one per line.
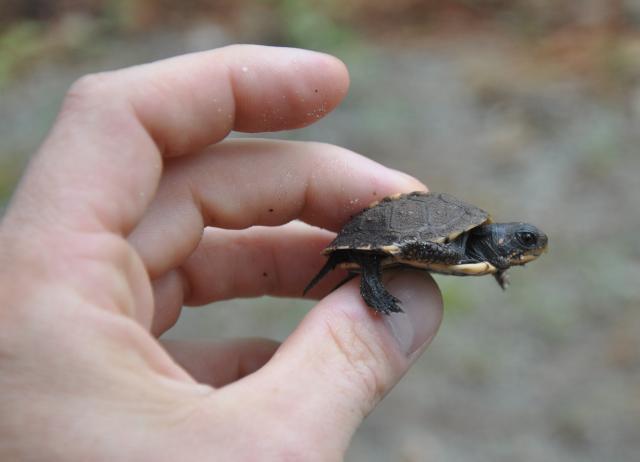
point(528, 108)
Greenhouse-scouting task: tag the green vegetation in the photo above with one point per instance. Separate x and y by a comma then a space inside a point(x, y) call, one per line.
point(307, 24)
point(20, 43)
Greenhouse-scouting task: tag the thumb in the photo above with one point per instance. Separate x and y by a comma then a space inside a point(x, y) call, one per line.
point(343, 357)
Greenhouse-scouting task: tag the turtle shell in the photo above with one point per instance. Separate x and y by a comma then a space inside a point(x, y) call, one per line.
point(421, 216)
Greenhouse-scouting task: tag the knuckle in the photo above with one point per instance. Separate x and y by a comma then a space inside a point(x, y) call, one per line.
point(365, 364)
point(84, 91)
point(90, 83)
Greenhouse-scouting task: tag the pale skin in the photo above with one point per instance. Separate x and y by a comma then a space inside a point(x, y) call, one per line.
point(105, 241)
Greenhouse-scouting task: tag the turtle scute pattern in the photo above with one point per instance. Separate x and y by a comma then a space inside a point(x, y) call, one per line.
point(415, 216)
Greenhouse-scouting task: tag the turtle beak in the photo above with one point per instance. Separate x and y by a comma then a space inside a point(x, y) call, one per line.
point(544, 245)
point(532, 254)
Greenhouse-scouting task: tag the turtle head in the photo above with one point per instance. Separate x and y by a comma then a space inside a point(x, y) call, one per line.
point(507, 244)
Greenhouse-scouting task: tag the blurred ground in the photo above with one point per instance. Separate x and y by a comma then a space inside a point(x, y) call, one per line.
point(528, 109)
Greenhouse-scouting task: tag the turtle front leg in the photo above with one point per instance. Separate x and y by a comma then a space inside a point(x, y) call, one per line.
point(502, 278)
point(371, 287)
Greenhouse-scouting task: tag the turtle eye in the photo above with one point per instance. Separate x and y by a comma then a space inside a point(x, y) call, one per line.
point(527, 238)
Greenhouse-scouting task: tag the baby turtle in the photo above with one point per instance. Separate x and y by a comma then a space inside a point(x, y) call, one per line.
point(430, 231)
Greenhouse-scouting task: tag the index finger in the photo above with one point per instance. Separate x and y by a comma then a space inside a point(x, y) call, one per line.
point(101, 163)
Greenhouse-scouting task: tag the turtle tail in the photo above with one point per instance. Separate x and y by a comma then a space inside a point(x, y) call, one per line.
point(334, 260)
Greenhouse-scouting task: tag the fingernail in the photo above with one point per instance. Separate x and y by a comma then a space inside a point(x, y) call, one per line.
point(421, 303)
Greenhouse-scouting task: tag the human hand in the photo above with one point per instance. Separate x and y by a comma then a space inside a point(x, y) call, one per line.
point(103, 244)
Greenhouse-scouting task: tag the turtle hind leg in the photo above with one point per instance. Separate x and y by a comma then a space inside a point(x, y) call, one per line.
point(334, 260)
point(372, 289)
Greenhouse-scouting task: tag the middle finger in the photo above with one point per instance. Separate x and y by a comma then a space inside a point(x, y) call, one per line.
point(241, 183)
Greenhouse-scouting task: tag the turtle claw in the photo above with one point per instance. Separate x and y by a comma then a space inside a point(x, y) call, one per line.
point(383, 303)
point(373, 291)
point(388, 304)
point(391, 304)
